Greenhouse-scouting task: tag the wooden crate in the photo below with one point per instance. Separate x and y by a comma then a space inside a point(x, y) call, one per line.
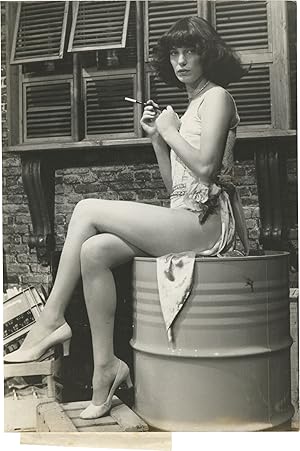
point(19, 410)
point(55, 417)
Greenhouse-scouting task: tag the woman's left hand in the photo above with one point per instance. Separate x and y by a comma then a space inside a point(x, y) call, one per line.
point(167, 122)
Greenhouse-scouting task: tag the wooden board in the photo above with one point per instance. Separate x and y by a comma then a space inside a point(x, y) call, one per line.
point(158, 441)
point(55, 417)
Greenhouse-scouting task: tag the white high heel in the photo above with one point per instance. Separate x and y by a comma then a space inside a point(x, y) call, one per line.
point(93, 411)
point(62, 335)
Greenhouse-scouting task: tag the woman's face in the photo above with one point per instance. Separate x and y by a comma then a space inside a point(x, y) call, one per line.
point(187, 65)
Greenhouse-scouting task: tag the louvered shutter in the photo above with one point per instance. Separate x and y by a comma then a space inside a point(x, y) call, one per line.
point(47, 107)
point(106, 113)
point(40, 31)
point(253, 96)
point(255, 29)
point(99, 25)
point(243, 25)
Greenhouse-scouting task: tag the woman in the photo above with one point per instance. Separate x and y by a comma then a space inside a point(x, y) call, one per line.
point(103, 234)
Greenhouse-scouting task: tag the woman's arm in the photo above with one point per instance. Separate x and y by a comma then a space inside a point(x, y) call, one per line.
point(162, 153)
point(159, 145)
point(216, 114)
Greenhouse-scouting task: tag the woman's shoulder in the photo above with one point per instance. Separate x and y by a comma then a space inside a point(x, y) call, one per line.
point(218, 97)
point(218, 94)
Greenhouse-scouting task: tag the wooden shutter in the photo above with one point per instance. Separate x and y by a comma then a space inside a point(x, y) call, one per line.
point(257, 30)
point(40, 31)
point(99, 25)
point(253, 96)
point(243, 25)
point(47, 110)
point(160, 16)
point(105, 110)
point(128, 55)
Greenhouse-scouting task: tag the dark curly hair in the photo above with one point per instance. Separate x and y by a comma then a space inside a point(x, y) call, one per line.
point(220, 63)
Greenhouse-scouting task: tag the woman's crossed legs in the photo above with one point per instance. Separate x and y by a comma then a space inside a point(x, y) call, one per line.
point(103, 234)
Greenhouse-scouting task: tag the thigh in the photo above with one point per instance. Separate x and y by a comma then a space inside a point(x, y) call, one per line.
point(153, 229)
point(108, 250)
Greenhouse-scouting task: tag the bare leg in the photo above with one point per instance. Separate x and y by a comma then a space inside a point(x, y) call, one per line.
point(98, 255)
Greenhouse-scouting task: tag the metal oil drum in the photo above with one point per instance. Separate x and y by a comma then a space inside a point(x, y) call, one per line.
point(228, 368)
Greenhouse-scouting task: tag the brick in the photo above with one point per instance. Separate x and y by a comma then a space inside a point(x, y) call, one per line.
point(19, 268)
point(86, 188)
point(125, 176)
point(247, 212)
point(250, 200)
point(34, 278)
point(37, 268)
point(22, 258)
point(142, 175)
point(23, 219)
point(251, 223)
point(127, 195)
point(110, 195)
point(11, 162)
point(254, 234)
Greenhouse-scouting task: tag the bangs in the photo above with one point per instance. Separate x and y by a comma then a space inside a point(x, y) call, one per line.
point(182, 34)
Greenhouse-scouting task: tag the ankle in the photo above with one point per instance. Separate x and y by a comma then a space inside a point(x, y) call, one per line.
point(104, 366)
point(51, 320)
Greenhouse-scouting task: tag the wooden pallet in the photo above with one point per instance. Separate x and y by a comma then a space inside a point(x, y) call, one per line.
point(55, 417)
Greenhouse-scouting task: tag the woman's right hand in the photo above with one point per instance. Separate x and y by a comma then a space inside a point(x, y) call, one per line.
point(150, 114)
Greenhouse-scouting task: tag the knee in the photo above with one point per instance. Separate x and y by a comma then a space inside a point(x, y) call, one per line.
point(82, 207)
point(82, 211)
point(96, 254)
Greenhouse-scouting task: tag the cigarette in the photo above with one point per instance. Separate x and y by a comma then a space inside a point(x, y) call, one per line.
point(129, 99)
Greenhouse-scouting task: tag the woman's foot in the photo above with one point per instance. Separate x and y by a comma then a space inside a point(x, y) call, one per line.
point(43, 335)
point(41, 329)
point(106, 380)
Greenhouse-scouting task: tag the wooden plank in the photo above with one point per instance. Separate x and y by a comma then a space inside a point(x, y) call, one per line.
point(44, 368)
point(279, 71)
point(80, 405)
point(74, 414)
point(99, 144)
point(101, 423)
point(160, 441)
point(109, 428)
point(127, 419)
point(51, 417)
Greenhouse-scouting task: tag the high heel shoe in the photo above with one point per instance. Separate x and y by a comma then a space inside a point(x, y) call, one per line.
point(62, 335)
point(93, 411)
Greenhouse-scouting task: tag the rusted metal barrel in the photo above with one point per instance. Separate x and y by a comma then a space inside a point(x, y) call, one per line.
point(229, 366)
